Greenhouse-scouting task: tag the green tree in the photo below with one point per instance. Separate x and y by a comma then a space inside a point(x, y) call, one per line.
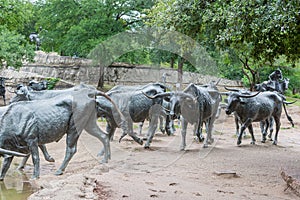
point(16, 14)
point(15, 18)
point(257, 31)
point(14, 48)
point(182, 16)
point(77, 26)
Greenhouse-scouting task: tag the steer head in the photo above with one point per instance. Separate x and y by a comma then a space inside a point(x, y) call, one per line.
point(235, 99)
point(22, 94)
point(176, 101)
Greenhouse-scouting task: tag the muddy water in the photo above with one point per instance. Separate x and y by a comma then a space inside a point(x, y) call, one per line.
point(15, 186)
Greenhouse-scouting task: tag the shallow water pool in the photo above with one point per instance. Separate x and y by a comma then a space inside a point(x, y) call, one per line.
point(15, 186)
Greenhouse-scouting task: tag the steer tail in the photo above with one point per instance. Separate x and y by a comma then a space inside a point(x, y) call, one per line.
point(123, 124)
point(287, 115)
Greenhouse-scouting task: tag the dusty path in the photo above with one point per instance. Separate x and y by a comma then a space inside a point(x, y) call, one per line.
point(164, 172)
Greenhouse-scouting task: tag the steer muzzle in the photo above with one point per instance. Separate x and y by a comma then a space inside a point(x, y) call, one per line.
point(172, 114)
point(227, 111)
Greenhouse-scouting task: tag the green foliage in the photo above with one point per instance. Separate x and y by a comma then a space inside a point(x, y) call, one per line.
point(15, 14)
point(229, 65)
point(52, 82)
point(257, 33)
point(141, 56)
point(77, 26)
point(14, 49)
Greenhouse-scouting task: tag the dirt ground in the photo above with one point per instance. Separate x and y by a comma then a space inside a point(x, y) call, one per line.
point(222, 171)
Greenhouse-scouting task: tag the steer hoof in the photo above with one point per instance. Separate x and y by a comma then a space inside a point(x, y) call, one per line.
point(210, 141)
point(104, 161)
point(34, 177)
point(20, 168)
point(275, 142)
point(58, 173)
point(50, 159)
point(147, 147)
point(238, 142)
point(101, 153)
point(252, 142)
point(140, 142)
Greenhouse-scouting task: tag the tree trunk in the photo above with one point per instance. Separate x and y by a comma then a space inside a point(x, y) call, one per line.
point(101, 78)
point(252, 79)
point(172, 61)
point(180, 70)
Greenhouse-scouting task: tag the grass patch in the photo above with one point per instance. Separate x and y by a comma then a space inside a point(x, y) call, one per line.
point(135, 126)
point(285, 128)
point(101, 119)
point(248, 136)
point(218, 133)
point(291, 99)
point(176, 126)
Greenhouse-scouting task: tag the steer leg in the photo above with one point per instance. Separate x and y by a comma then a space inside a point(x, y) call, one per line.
point(151, 130)
point(23, 163)
point(5, 166)
point(250, 128)
point(209, 129)
point(264, 125)
point(4, 100)
point(131, 133)
point(278, 124)
point(237, 126)
point(243, 127)
point(34, 150)
point(162, 127)
point(46, 154)
point(183, 134)
point(93, 129)
point(71, 148)
point(271, 128)
point(140, 130)
point(110, 130)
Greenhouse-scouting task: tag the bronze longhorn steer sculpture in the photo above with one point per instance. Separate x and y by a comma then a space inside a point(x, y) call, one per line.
point(197, 105)
point(135, 107)
point(26, 125)
point(258, 107)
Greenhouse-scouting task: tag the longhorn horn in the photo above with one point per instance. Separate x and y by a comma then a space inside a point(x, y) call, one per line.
point(224, 93)
point(12, 153)
point(231, 89)
point(165, 94)
point(287, 103)
point(218, 81)
point(248, 96)
point(15, 92)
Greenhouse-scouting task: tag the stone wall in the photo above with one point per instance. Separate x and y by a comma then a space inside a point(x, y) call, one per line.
point(78, 70)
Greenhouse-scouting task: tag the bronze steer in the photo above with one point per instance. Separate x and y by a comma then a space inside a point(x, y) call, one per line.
point(26, 125)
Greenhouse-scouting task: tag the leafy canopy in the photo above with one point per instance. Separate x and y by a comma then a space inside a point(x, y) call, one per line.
point(15, 16)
